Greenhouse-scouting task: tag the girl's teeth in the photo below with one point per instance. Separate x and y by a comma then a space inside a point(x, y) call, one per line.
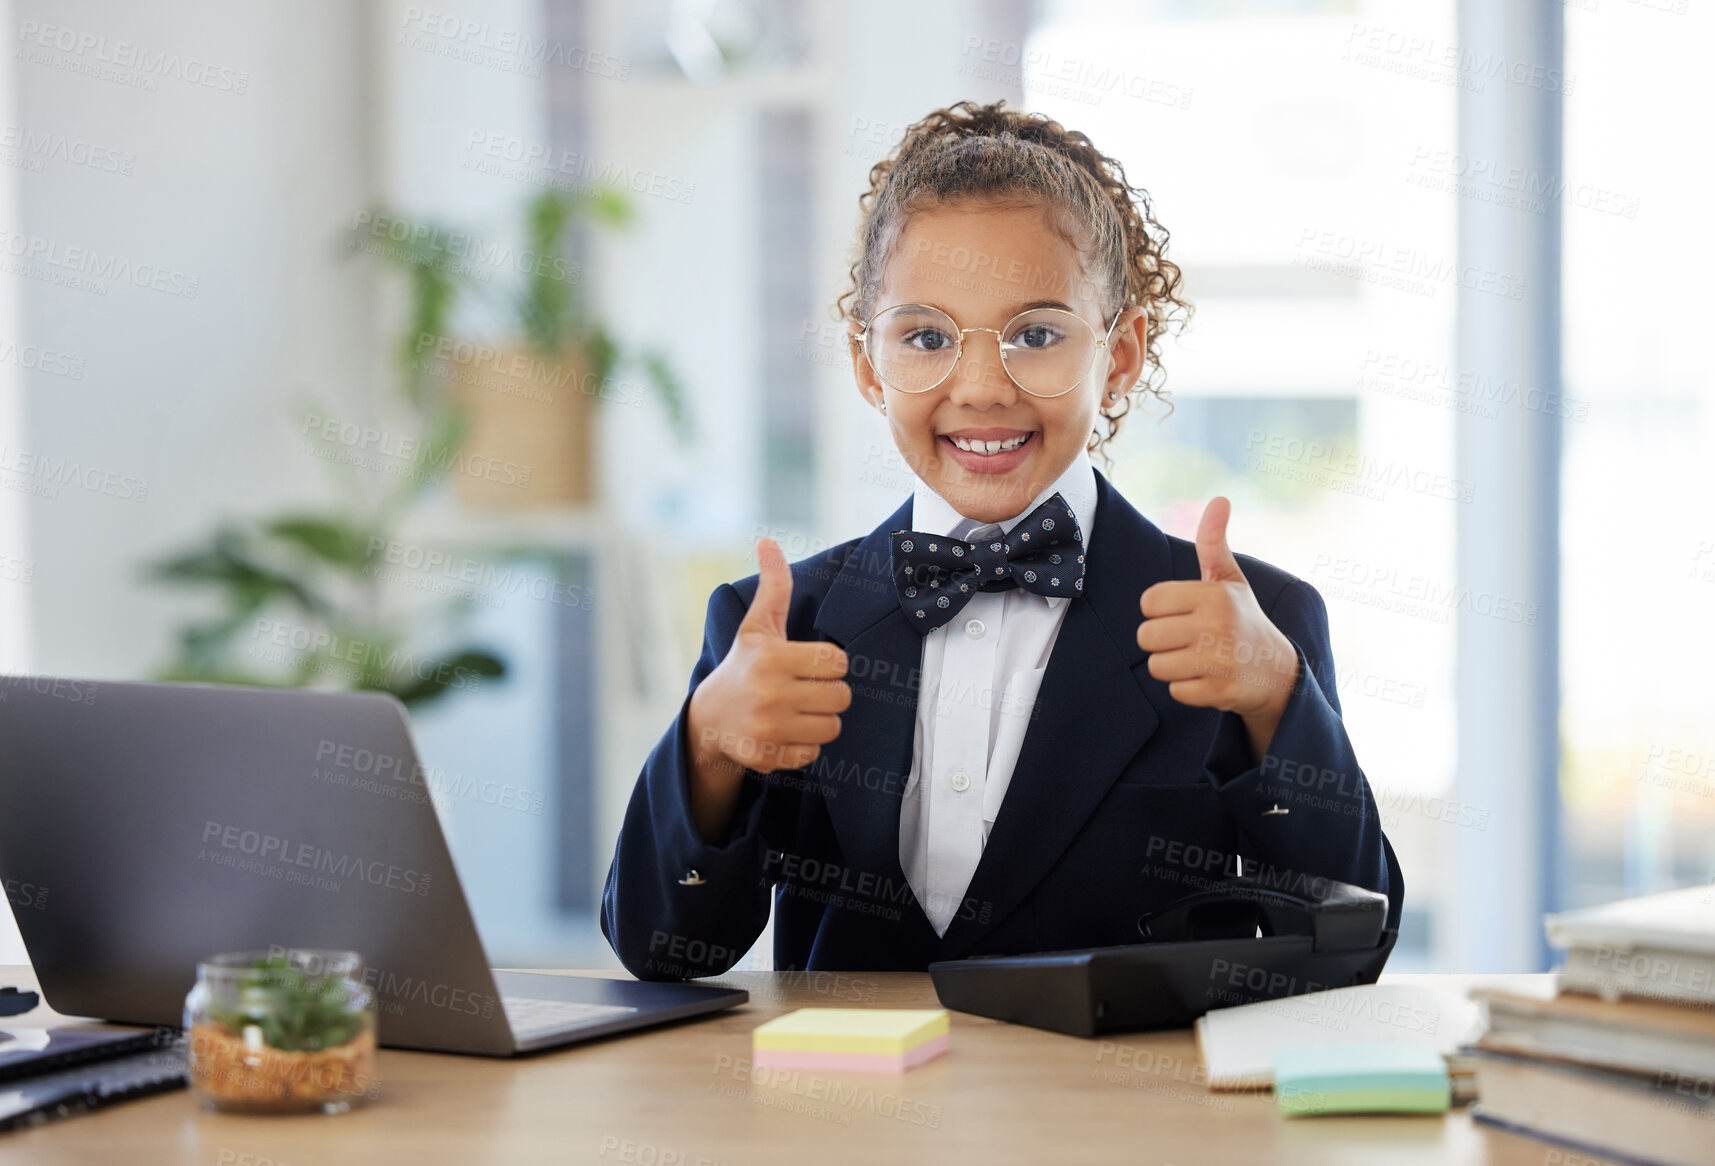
point(990, 447)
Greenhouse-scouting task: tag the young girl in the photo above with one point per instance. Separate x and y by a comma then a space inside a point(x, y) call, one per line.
point(1016, 716)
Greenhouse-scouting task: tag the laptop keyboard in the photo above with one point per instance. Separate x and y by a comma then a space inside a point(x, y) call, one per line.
point(528, 1015)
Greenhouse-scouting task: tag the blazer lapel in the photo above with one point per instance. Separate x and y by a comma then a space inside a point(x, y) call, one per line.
point(865, 768)
point(1091, 718)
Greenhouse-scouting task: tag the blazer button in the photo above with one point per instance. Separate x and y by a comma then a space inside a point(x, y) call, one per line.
point(692, 879)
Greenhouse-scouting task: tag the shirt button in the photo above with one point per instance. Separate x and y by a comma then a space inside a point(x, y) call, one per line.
point(960, 781)
point(975, 629)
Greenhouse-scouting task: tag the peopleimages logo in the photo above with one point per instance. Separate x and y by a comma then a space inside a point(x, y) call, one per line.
point(44, 145)
point(407, 455)
point(307, 856)
point(421, 237)
point(70, 691)
point(90, 49)
point(37, 253)
point(369, 771)
point(394, 991)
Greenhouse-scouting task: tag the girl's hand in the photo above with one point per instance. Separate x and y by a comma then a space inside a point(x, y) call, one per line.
point(1212, 643)
point(771, 703)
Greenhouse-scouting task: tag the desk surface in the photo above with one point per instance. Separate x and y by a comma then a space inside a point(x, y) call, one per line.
point(683, 1095)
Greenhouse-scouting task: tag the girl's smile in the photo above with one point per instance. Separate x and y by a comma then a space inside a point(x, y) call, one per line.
point(989, 451)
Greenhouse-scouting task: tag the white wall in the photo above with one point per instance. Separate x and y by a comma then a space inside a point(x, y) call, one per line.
point(241, 185)
point(16, 565)
point(247, 193)
point(17, 568)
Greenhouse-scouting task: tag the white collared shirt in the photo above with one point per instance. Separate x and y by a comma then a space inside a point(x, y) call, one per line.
point(979, 679)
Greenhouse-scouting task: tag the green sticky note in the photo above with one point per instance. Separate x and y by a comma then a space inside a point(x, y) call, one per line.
point(1361, 1078)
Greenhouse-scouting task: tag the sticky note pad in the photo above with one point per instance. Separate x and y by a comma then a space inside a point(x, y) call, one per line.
point(864, 1040)
point(1361, 1078)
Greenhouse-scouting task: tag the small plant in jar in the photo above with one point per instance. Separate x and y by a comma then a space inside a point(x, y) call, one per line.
point(289, 1030)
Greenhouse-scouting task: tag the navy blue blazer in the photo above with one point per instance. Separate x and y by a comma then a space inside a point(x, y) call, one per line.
point(1122, 799)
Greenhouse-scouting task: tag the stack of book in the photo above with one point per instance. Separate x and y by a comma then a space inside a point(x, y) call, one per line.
point(1619, 1060)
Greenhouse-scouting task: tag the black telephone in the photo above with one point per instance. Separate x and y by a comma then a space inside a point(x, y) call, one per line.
point(1203, 952)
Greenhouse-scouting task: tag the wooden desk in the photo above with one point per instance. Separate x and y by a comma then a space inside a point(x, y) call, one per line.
point(683, 1096)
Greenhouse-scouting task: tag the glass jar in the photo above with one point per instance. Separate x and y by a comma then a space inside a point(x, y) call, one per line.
point(288, 1030)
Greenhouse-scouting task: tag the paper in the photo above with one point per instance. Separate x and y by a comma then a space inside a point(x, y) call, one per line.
point(1239, 1044)
point(1682, 920)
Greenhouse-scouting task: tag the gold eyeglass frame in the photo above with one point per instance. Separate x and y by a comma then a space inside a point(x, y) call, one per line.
point(959, 346)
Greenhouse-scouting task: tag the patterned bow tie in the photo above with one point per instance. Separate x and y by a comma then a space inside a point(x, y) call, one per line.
point(937, 575)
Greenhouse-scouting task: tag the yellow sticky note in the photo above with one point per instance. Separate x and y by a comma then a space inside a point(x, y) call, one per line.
point(852, 1030)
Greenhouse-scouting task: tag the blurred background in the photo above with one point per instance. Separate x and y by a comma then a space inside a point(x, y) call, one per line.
point(460, 349)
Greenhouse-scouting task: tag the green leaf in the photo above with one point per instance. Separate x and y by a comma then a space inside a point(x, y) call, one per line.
point(433, 293)
point(547, 218)
point(229, 562)
point(610, 207)
point(294, 1011)
point(460, 671)
point(602, 352)
point(667, 383)
point(548, 303)
point(334, 540)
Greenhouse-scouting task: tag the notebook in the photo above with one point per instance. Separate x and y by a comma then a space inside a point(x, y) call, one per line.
point(28, 1052)
point(57, 1072)
point(1619, 1117)
point(1661, 946)
point(1239, 1044)
point(1640, 1036)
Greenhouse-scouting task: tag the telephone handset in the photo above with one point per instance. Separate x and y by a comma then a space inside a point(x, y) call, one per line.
point(1203, 951)
point(1340, 917)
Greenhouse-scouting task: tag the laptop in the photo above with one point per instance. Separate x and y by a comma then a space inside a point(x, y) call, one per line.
point(144, 827)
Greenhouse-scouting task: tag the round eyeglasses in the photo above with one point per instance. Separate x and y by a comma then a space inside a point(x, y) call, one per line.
point(1046, 351)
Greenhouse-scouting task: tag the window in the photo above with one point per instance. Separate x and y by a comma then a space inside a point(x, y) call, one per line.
point(1638, 537)
point(1305, 177)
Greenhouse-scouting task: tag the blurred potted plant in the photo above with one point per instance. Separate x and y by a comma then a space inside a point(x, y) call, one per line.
point(282, 1033)
point(305, 594)
point(529, 399)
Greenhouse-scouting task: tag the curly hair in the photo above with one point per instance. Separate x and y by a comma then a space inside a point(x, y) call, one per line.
point(991, 153)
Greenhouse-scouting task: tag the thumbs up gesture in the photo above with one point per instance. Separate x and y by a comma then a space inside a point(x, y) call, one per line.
point(771, 703)
point(1211, 642)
